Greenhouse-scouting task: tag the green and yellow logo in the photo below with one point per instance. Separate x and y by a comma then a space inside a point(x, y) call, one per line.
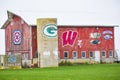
point(50, 30)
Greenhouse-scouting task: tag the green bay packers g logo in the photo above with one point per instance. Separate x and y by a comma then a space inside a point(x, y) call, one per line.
point(50, 30)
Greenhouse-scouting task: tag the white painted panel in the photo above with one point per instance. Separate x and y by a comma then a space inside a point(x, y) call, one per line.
point(97, 56)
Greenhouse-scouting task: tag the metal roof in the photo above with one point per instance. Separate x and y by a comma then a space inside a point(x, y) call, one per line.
point(88, 26)
point(10, 16)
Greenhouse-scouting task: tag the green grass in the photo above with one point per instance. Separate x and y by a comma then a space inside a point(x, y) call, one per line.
point(78, 72)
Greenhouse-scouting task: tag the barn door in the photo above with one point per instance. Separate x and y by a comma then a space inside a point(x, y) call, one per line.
point(97, 56)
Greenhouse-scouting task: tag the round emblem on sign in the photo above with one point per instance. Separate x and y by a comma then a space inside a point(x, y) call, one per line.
point(107, 37)
point(50, 30)
point(107, 34)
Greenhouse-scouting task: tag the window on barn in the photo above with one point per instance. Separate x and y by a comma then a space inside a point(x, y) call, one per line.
point(91, 54)
point(103, 53)
point(110, 53)
point(74, 53)
point(83, 54)
point(65, 54)
point(25, 56)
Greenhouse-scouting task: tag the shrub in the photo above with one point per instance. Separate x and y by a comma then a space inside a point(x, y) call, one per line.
point(65, 63)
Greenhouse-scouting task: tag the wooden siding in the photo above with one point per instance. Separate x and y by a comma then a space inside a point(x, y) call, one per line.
point(18, 24)
point(78, 39)
point(34, 42)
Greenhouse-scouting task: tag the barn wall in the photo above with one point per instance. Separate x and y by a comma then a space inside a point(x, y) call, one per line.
point(80, 39)
point(17, 24)
point(34, 42)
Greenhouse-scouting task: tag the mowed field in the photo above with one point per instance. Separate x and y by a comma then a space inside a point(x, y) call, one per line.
point(77, 72)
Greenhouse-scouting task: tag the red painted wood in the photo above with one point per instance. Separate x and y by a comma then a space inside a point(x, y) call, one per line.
point(34, 41)
point(17, 24)
point(84, 35)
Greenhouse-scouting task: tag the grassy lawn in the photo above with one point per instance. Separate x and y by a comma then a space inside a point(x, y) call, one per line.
point(79, 72)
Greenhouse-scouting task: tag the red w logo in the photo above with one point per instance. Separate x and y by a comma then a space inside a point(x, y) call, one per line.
point(68, 37)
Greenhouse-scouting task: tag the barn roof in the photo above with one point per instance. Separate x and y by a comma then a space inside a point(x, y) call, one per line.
point(83, 25)
point(10, 16)
point(87, 25)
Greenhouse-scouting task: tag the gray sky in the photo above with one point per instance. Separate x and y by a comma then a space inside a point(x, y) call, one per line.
point(68, 12)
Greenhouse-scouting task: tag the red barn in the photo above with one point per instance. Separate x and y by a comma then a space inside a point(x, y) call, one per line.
point(86, 43)
point(20, 37)
point(75, 43)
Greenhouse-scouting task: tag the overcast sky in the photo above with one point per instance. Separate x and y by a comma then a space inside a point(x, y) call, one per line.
point(68, 12)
